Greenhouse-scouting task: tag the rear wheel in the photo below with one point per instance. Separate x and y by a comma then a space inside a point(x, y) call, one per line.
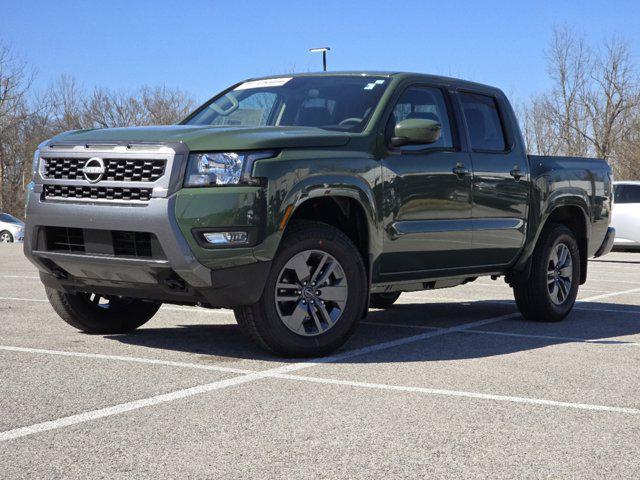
point(551, 291)
point(94, 313)
point(6, 237)
point(383, 300)
point(314, 295)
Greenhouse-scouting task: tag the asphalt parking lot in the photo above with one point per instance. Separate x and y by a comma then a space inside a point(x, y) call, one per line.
point(449, 383)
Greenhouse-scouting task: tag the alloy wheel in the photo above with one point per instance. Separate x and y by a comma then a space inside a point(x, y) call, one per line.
point(560, 274)
point(311, 292)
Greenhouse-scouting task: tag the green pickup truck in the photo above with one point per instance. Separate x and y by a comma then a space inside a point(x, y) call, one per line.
point(300, 201)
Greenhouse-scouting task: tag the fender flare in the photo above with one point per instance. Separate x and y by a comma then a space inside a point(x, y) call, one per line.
point(346, 186)
point(559, 199)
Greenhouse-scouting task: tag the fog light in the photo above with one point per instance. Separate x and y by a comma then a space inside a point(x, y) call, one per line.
point(226, 238)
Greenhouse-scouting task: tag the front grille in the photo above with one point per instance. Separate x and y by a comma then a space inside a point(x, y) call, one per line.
point(63, 239)
point(116, 169)
point(114, 243)
point(131, 244)
point(96, 193)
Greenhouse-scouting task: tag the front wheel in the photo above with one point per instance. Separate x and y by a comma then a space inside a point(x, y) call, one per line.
point(551, 291)
point(6, 237)
point(92, 313)
point(314, 295)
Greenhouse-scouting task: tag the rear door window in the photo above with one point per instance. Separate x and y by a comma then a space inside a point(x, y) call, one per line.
point(483, 122)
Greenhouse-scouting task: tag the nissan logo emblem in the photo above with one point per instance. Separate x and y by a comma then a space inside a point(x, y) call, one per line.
point(93, 169)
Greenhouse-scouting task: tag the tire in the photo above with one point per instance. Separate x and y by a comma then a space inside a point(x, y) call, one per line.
point(540, 300)
point(6, 237)
point(92, 313)
point(383, 300)
point(284, 321)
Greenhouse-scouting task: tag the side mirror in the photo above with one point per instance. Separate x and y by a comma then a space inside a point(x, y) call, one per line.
point(416, 131)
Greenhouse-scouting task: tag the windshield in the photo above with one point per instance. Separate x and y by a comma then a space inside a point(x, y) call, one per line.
point(342, 103)
point(5, 217)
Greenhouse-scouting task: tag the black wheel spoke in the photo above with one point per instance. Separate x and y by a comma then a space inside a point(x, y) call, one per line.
point(297, 317)
point(336, 294)
point(300, 266)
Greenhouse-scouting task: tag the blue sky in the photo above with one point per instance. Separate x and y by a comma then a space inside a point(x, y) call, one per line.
point(203, 46)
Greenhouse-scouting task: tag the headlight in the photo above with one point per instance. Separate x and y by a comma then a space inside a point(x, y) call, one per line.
point(36, 159)
point(222, 168)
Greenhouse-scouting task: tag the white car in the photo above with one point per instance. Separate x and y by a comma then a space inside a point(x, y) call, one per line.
point(626, 214)
point(11, 229)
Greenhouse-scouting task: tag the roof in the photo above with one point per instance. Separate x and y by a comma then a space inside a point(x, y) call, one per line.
point(375, 73)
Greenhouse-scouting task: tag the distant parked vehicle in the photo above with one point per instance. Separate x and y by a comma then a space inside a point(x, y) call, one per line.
point(626, 214)
point(11, 229)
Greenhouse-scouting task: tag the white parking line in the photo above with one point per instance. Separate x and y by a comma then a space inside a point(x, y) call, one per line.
point(511, 334)
point(122, 358)
point(218, 385)
point(251, 377)
point(223, 311)
point(457, 393)
point(607, 295)
point(608, 310)
point(210, 311)
point(17, 299)
point(136, 404)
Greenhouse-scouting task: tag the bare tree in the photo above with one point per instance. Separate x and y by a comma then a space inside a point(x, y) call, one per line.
point(593, 106)
point(147, 106)
point(164, 106)
point(611, 101)
point(66, 100)
point(539, 132)
point(15, 81)
point(28, 118)
point(568, 60)
point(626, 158)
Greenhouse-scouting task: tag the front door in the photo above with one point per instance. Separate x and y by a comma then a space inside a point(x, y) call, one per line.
point(426, 195)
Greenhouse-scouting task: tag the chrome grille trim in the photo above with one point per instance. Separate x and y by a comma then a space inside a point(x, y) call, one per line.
point(73, 192)
point(116, 169)
point(134, 173)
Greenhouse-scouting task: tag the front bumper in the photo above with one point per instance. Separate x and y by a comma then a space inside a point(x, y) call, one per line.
point(176, 277)
point(75, 229)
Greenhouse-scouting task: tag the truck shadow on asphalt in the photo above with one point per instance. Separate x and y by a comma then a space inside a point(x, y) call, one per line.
point(588, 323)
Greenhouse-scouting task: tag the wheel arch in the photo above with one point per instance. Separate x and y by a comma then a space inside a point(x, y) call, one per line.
point(568, 211)
point(576, 219)
point(344, 212)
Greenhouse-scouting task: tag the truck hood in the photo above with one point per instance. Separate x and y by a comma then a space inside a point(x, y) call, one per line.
point(201, 138)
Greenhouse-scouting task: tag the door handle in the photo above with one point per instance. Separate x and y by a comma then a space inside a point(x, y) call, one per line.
point(460, 170)
point(516, 173)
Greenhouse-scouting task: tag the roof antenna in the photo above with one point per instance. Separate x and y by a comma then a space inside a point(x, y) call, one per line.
point(324, 51)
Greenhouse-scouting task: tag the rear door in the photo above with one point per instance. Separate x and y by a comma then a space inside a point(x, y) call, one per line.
point(626, 213)
point(500, 187)
point(426, 192)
